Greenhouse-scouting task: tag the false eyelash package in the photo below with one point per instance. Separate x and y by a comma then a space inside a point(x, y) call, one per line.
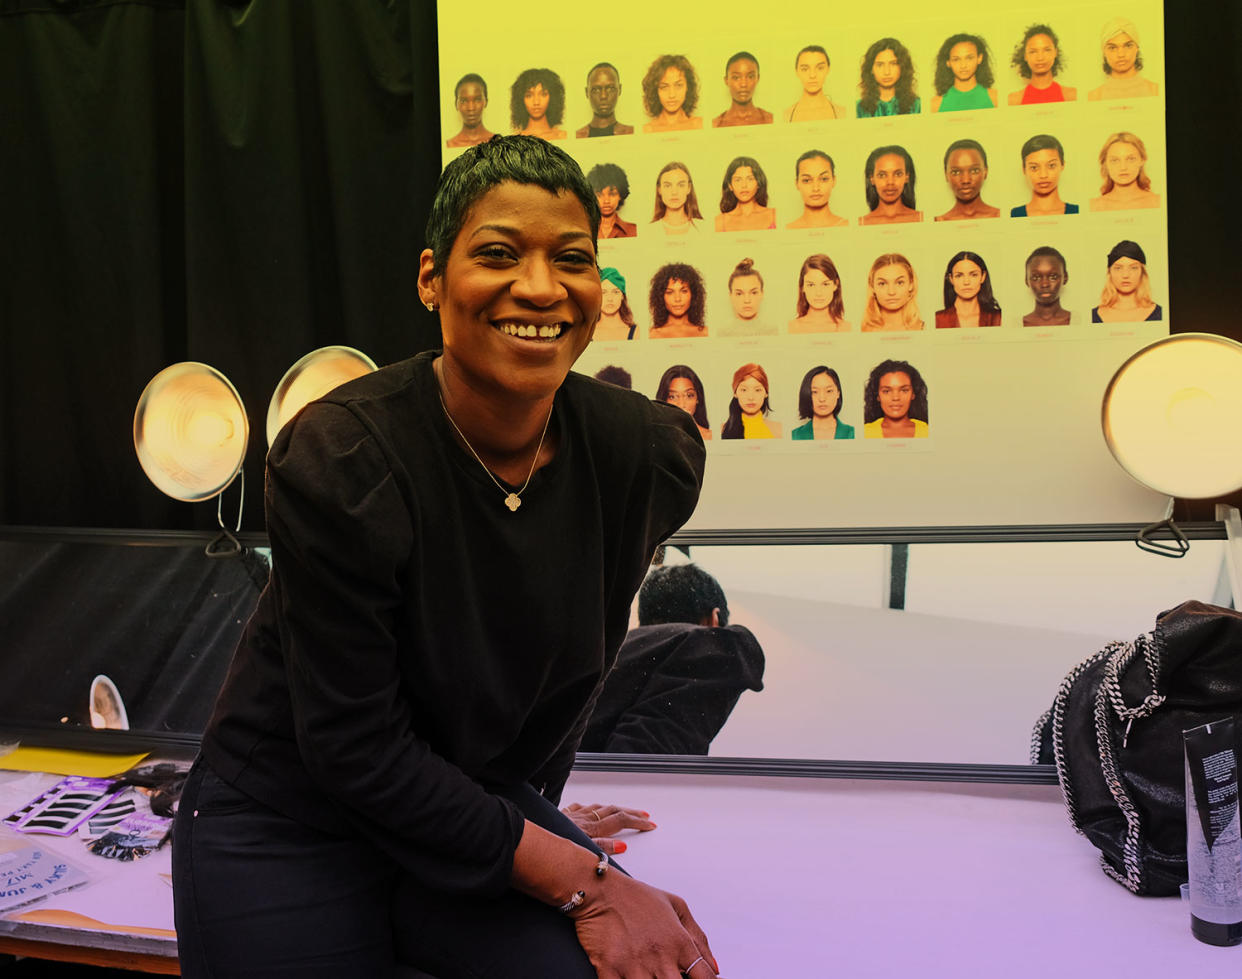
point(61, 809)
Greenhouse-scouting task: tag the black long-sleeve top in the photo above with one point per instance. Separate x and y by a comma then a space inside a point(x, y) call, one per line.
point(418, 641)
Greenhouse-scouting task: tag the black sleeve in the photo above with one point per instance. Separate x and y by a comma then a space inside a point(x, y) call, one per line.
point(340, 533)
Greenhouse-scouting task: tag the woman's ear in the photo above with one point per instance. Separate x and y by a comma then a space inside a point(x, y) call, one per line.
point(428, 281)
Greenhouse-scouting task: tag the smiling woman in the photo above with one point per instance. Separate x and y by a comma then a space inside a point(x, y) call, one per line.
point(404, 706)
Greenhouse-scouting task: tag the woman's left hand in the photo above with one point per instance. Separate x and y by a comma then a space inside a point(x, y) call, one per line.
point(603, 823)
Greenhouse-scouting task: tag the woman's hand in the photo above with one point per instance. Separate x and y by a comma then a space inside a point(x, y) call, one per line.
point(631, 930)
point(603, 823)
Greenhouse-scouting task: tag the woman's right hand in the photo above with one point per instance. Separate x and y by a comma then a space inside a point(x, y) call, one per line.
point(631, 930)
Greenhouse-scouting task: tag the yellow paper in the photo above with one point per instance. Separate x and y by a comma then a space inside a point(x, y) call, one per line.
point(92, 764)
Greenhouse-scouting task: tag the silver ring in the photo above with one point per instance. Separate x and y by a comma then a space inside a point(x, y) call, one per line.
point(693, 964)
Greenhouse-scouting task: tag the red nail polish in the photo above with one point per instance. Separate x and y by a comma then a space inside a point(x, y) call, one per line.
point(620, 848)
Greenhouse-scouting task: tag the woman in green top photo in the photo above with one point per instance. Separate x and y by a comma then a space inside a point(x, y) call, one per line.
point(819, 402)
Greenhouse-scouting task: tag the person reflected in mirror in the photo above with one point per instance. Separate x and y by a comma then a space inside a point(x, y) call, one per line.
point(1123, 165)
point(746, 299)
point(1043, 163)
point(1126, 297)
point(963, 78)
point(537, 104)
point(887, 81)
point(470, 99)
point(616, 376)
point(968, 299)
point(889, 176)
point(742, 78)
point(603, 88)
point(671, 94)
point(680, 386)
point(676, 206)
point(820, 307)
point(744, 198)
point(384, 752)
point(966, 170)
point(815, 176)
point(895, 402)
point(812, 66)
point(612, 189)
point(616, 321)
point(677, 300)
point(1123, 63)
point(1046, 274)
point(679, 673)
point(749, 408)
point(892, 296)
point(1037, 58)
point(819, 405)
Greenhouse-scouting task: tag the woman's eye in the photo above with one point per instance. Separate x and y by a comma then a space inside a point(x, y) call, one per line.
point(495, 253)
point(578, 259)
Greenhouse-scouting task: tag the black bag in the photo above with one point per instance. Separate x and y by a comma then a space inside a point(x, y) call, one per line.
point(1115, 734)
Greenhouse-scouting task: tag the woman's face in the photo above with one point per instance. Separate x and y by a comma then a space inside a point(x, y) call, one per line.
point(520, 292)
point(886, 69)
point(818, 289)
point(674, 187)
point(1124, 163)
point(1125, 274)
point(812, 70)
point(896, 393)
point(1042, 169)
point(677, 297)
point(536, 100)
point(893, 286)
point(815, 181)
point(750, 396)
point(1121, 51)
point(1040, 54)
point(964, 60)
point(743, 184)
point(824, 396)
point(609, 200)
point(889, 178)
point(612, 298)
point(746, 294)
point(966, 278)
point(681, 393)
point(671, 90)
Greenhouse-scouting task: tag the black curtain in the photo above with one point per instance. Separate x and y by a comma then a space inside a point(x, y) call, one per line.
point(196, 180)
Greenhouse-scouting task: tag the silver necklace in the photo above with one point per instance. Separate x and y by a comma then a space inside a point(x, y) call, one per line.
point(512, 500)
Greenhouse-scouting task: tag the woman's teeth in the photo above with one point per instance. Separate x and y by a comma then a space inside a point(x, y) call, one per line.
point(531, 331)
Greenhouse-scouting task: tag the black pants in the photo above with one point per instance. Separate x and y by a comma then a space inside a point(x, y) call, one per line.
point(259, 894)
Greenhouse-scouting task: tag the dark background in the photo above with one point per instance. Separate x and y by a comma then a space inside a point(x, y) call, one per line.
point(241, 183)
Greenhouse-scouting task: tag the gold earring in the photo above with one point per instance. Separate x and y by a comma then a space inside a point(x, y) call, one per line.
point(431, 307)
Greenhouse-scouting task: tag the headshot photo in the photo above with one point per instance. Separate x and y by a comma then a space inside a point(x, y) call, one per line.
point(470, 99)
point(676, 206)
point(964, 76)
point(744, 198)
point(887, 81)
point(895, 402)
point(1046, 274)
point(889, 187)
point(616, 321)
point(819, 407)
point(537, 104)
point(612, 188)
point(965, 171)
point(603, 88)
point(742, 78)
point(815, 176)
point(1123, 63)
point(746, 299)
point(677, 301)
point(680, 386)
point(1043, 163)
point(1123, 163)
point(892, 296)
point(820, 307)
point(749, 409)
point(1126, 297)
point(671, 94)
point(616, 376)
point(811, 66)
point(1037, 58)
point(968, 299)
